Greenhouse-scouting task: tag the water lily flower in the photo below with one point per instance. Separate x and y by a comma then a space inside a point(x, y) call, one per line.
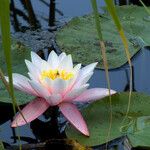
point(56, 82)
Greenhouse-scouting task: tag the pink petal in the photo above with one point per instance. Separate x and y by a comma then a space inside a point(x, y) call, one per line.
point(33, 69)
point(71, 82)
point(59, 85)
point(87, 69)
point(71, 95)
point(66, 63)
point(40, 89)
point(54, 99)
point(84, 75)
point(61, 57)
point(36, 59)
point(93, 94)
point(82, 80)
point(30, 112)
point(21, 83)
point(53, 60)
point(71, 112)
point(76, 69)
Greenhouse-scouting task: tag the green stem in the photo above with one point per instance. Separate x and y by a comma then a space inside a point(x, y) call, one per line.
point(6, 43)
point(112, 11)
point(147, 10)
point(104, 57)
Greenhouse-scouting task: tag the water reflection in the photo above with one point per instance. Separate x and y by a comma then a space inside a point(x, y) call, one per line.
point(7, 135)
point(46, 14)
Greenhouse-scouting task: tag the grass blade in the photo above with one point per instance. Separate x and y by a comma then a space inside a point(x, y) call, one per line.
point(112, 11)
point(147, 10)
point(103, 52)
point(6, 43)
point(97, 19)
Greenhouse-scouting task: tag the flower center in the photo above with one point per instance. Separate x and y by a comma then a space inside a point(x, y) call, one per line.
point(53, 74)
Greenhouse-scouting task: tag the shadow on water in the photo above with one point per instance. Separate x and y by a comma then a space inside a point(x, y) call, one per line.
point(48, 15)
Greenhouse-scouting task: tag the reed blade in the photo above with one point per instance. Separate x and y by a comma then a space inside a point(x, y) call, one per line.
point(6, 43)
point(104, 57)
point(113, 13)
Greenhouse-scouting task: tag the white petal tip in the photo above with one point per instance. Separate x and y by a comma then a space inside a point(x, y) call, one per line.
point(85, 132)
point(32, 53)
point(95, 64)
point(79, 65)
point(6, 78)
point(14, 125)
point(26, 61)
point(112, 92)
point(53, 52)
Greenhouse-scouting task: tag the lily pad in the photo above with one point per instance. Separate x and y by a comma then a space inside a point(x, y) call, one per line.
point(79, 36)
point(97, 116)
point(19, 54)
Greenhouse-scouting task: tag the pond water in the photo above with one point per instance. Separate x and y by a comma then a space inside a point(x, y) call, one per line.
point(64, 11)
point(119, 77)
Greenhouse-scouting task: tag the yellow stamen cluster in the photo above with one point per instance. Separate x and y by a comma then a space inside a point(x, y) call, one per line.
point(53, 74)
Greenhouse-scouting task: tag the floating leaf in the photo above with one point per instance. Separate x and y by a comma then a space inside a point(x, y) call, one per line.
point(136, 126)
point(79, 36)
point(19, 53)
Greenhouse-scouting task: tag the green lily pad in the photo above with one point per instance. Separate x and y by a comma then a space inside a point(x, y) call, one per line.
point(19, 54)
point(79, 36)
point(97, 116)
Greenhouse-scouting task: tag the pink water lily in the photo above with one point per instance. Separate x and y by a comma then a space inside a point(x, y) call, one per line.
point(56, 82)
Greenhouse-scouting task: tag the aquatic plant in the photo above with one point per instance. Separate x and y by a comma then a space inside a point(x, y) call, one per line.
point(136, 128)
point(6, 43)
point(56, 82)
point(72, 38)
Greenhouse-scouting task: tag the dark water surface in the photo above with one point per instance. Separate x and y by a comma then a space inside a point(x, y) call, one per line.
point(119, 77)
point(39, 16)
point(43, 12)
